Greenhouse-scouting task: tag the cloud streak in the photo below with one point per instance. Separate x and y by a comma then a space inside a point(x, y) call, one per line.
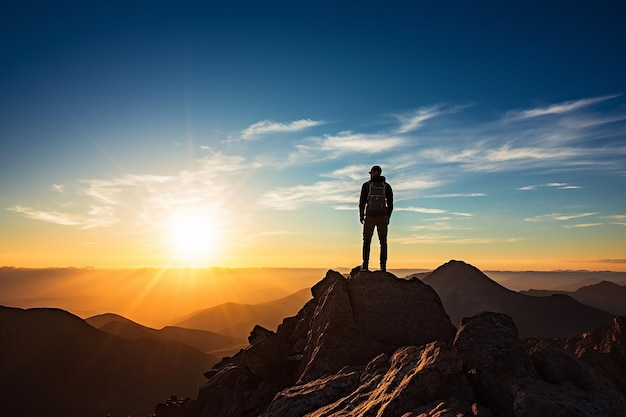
point(558, 217)
point(560, 108)
point(265, 127)
point(555, 185)
point(416, 119)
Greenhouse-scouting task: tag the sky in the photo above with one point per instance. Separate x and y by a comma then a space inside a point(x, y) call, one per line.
point(238, 134)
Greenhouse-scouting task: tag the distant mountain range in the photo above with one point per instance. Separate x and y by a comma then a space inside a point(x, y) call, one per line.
point(605, 295)
point(53, 363)
point(554, 280)
point(466, 291)
point(237, 320)
point(202, 340)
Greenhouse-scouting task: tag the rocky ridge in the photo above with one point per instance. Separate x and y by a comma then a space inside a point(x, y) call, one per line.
point(372, 344)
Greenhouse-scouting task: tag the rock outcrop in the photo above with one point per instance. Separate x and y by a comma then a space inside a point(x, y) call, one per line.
point(375, 345)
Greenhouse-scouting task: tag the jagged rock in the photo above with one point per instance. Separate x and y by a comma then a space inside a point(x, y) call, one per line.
point(264, 356)
point(604, 349)
point(232, 391)
point(535, 398)
point(302, 399)
point(557, 366)
point(593, 363)
point(449, 408)
point(417, 375)
point(371, 313)
point(493, 357)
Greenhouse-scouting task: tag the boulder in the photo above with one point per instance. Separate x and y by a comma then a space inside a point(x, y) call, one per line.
point(368, 314)
point(494, 358)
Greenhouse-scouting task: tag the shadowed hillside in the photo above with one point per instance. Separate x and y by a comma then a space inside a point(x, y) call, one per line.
point(237, 320)
point(605, 295)
point(202, 340)
point(465, 291)
point(55, 364)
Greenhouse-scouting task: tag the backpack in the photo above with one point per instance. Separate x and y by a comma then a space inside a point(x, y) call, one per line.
point(377, 199)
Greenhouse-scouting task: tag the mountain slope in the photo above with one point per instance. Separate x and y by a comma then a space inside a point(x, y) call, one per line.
point(466, 291)
point(238, 320)
point(204, 341)
point(372, 344)
point(605, 295)
point(54, 363)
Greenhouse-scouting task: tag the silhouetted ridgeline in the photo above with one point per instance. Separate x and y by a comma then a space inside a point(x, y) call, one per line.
point(53, 363)
point(204, 341)
point(604, 295)
point(375, 345)
point(465, 291)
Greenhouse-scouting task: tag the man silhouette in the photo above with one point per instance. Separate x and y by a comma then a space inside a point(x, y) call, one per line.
point(375, 207)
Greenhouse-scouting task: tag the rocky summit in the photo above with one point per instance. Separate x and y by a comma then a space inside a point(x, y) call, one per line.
point(372, 344)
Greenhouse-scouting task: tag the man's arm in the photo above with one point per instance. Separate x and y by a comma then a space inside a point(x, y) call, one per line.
point(363, 201)
point(389, 195)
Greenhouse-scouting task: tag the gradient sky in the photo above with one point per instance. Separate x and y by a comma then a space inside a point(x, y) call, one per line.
point(238, 134)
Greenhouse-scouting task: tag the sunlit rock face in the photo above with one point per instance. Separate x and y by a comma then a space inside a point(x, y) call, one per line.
point(370, 313)
point(372, 344)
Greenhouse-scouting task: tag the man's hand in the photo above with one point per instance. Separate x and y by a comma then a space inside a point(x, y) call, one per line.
point(362, 220)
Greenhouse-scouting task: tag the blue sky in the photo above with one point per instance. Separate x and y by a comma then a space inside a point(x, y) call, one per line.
point(500, 125)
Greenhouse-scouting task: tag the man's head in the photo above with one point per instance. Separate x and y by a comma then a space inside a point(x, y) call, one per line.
point(376, 170)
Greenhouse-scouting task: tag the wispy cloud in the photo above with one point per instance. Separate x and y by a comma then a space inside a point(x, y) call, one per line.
point(139, 201)
point(404, 183)
point(438, 226)
point(265, 127)
point(558, 217)
point(291, 198)
point(613, 261)
point(456, 195)
point(96, 218)
point(314, 150)
point(421, 210)
point(556, 185)
point(415, 119)
point(615, 217)
point(359, 142)
point(582, 225)
point(560, 108)
point(568, 140)
point(443, 239)
point(426, 210)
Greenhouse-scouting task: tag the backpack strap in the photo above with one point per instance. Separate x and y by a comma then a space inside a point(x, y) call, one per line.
point(384, 189)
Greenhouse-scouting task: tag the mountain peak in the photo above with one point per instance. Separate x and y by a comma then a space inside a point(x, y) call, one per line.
point(454, 276)
point(374, 344)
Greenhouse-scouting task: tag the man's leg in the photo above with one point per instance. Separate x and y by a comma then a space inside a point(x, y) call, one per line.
point(368, 231)
point(382, 228)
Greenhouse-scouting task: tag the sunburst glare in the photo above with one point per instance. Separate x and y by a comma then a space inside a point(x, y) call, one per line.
point(193, 235)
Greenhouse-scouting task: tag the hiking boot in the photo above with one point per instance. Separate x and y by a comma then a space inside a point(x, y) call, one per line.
point(364, 267)
point(383, 267)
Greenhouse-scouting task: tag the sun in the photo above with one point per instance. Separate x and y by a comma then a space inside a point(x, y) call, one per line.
point(193, 237)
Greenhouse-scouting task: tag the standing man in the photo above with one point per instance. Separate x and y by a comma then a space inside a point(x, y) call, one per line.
point(375, 207)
